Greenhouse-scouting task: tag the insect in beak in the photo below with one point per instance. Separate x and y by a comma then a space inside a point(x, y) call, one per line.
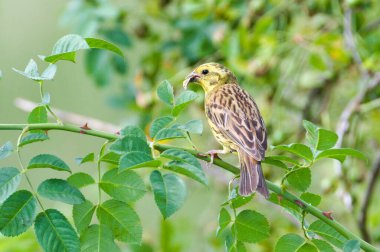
point(192, 77)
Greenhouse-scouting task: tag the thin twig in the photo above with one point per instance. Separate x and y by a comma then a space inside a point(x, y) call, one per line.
point(373, 179)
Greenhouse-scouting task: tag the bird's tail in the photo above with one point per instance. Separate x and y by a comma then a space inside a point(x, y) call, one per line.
point(251, 176)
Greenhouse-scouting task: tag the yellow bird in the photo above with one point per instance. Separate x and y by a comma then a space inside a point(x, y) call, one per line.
point(235, 121)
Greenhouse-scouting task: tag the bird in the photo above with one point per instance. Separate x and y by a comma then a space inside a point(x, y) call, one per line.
point(235, 121)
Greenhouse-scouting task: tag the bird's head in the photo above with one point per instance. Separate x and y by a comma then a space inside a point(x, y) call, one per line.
point(210, 76)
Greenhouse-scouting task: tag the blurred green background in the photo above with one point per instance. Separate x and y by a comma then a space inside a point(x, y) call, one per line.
point(294, 57)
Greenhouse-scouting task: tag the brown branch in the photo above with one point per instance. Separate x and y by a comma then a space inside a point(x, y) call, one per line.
point(373, 179)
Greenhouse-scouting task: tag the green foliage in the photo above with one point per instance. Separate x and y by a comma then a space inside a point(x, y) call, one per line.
point(10, 178)
point(251, 226)
point(98, 238)
point(55, 233)
point(32, 138)
point(82, 215)
point(61, 190)
point(88, 158)
point(80, 179)
point(351, 246)
point(48, 161)
point(323, 230)
point(31, 72)
point(6, 150)
point(169, 192)
point(165, 93)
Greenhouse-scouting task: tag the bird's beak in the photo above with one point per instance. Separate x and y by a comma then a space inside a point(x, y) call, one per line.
point(192, 77)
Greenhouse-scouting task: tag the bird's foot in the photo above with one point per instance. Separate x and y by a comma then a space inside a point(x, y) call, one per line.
point(214, 154)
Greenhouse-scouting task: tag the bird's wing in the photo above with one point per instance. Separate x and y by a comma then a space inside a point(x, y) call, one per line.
point(237, 117)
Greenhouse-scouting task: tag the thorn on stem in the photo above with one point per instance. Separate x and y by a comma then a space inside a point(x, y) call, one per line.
point(85, 127)
point(299, 203)
point(328, 214)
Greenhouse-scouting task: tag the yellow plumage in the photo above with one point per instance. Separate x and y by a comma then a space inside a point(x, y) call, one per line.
point(235, 121)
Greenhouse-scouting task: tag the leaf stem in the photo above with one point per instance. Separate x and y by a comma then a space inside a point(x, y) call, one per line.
point(224, 165)
point(47, 105)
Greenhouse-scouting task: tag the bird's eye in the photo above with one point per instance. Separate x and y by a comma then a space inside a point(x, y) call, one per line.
point(204, 71)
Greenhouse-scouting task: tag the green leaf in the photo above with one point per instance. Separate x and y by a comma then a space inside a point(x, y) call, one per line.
point(48, 161)
point(283, 159)
point(82, 215)
point(289, 243)
point(311, 198)
point(339, 153)
point(182, 101)
point(181, 155)
point(326, 139)
point(311, 132)
point(126, 186)
point(169, 133)
point(111, 157)
point(328, 233)
point(351, 246)
point(54, 232)
point(67, 46)
point(236, 200)
point(129, 144)
point(17, 213)
point(307, 247)
point(6, 150)
point(159, 124)
point(38, 115)
point(80, 180)
point(31, 72)
point(133, 131)
point(193, 126)
point(10, 178)
point(165, 92)
point(98, 238)
point(187, 170)
point(275, 162)
point(300, 150)
point(169, 192)
point(121, 219)
point(61, 190)
point(137, 159)
point(251, 226)
point(32, 138)
point(289, 206)
point(299, 178)
point(322, 246)
point(102, 44)
point(224, 219)
point(88, 158)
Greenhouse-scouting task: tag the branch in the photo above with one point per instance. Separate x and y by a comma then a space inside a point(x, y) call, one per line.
point(367, 199)
point(222, 164)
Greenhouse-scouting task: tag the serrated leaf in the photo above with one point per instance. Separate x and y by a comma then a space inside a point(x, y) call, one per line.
point(328, 233)
point(339, 153)
point(289, 206)
point(182, 101)
point(351, 246)
point(98, 238)
point(80, 180)
point(60, 190)
point(159, 124)
point(275, 162)
point(17, 213)
point(326, 139)
point(284, 159)
point(181, 155)
point(187, 170)
point(10, 178)
point(6, 150)
point(102, 44)
point(82, 215)
point(311, 132)
point(65, 48)
point(289, 243)
point(133, 131)
point(169, 133)
point(121, 219)
point(126, 186)
point(322, 246)
point(31, 72)
point(48, 161)
point(300, 178)
point(111, 157)
point(137, 159)
point(193, 126)
point(165, 92)
point(251, 226)
point(88, 158)
point(129, 144)
point(54, 232)
point(38, 115)
point(224, 219)
point(169, 192)
point(300, 150)
point(311, 198)
point(32, 138)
